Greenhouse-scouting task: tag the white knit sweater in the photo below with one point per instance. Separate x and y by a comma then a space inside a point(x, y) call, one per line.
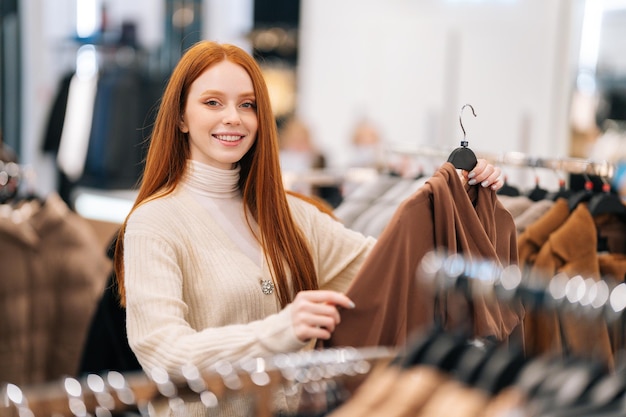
point(193, 290)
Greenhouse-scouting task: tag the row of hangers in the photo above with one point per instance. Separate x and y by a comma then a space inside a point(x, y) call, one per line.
point(10, 175)
point(604, 202)
point(543, 386)
point(600, 202)
point(552, 385)
point(547, 385)
point(587, 298)
point(463, 157)
point(17, 185)
point(318, 373)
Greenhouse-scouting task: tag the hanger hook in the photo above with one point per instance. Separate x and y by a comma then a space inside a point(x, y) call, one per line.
point(461, 118)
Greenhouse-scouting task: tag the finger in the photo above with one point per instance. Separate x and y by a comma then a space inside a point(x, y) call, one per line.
point(484, 174)
point(314, 327)
point(322, 333)
point(318, 333)
point(327, 323)
point(314, 313)
point(498, 184)
point(327, 297)
point(478, 168)
point(476, 175)
point(317, 320)
point(489, 176)
point(481, 163)
point(494, 177)
point(306, 333)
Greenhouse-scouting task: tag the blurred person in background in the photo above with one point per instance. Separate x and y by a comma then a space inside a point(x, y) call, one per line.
point(367, 146)
point(299, 158)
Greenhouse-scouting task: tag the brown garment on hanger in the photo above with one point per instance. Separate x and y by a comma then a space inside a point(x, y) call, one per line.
point(571, 250)
point(455, 399)
point(516, 205)
point(372, 393)
point(611, 232)
point(393, 302)
point(529, 243)
point(511, 401)
point(613, 266)
point(532, 214)
point(53, 274)
point(613, 269)
point(393, 392)
point(536, 234)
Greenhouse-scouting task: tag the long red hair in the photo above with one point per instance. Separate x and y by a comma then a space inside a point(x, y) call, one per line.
point(260, 181)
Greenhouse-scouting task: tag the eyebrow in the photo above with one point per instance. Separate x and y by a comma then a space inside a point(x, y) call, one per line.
point(218, 92)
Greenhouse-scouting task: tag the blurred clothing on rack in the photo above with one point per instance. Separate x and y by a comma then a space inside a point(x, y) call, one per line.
point(106, 345)
point(98, 127)
point(53, 273)
point(573, 241)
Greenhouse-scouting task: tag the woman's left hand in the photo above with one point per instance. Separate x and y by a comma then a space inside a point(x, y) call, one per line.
point(485, 174)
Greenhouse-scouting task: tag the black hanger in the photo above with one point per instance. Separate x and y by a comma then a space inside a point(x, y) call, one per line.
point(605, 396)
point(501, 369)
point(418, 346)
point(445, 352)
point(581, 196)
point(463, 157)
point(562, 192)
point(473, 360)
point(508, 189)
point(606, 202)
point(569, 385)
point(535, 372)
point(537, 193)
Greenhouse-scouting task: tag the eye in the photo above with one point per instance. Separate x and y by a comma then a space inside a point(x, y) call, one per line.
point(249, 105)
point(212, 103)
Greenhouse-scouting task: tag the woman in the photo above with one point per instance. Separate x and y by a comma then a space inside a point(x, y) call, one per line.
point(215, 260)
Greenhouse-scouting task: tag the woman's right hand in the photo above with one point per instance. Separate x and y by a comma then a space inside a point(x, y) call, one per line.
point(314, 314)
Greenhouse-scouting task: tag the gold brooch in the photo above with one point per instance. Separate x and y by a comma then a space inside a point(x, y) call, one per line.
point(267, 286)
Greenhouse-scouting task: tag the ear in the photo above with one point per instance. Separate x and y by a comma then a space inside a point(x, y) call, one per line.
point(182, 125)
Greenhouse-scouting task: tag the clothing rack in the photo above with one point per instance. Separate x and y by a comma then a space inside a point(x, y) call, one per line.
point(257, 377)
point(441, 370)
point(587, 298)
point(16, 180)
point(330, 176)
point(519, 159)
point(568, 317)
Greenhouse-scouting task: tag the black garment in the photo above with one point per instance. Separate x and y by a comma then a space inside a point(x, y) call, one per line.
point(52, 135)
point(56, 117)
point(106, 347)
point(124, 107)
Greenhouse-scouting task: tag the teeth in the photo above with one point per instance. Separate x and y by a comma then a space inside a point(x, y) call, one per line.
point(228, 138)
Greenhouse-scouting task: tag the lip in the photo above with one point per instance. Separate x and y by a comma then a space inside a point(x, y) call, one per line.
point(228, 138)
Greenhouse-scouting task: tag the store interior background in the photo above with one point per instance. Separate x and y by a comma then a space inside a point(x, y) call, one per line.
point(532, 69)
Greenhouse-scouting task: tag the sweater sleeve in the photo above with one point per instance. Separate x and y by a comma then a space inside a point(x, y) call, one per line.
point(338, 252)
point(166, 327)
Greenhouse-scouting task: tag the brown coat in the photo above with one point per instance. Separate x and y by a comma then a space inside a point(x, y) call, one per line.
point(392, 302)
point(53, 273)
point(571, 249)
point(536, 234)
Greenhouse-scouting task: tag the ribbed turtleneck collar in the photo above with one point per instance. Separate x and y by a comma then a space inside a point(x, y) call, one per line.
point(210, 181)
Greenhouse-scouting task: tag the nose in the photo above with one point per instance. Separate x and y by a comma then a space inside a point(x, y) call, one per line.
point(231, 116)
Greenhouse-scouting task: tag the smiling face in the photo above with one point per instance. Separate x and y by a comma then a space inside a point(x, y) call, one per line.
point(220, 115)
